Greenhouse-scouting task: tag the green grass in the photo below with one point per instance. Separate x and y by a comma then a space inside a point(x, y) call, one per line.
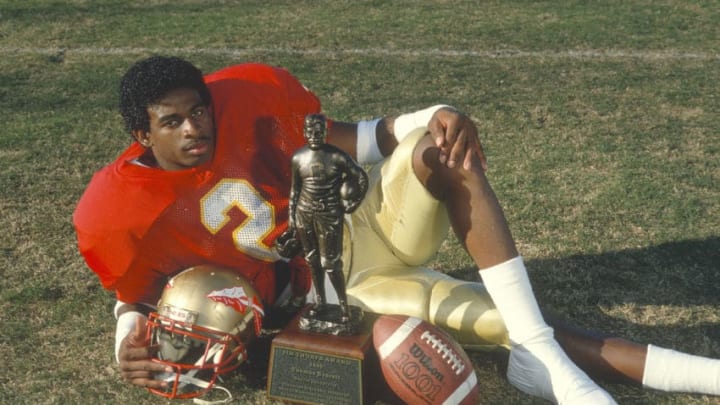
point(599, 120)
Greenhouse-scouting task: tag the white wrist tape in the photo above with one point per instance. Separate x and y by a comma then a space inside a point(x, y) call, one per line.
point(118, 305)
point(125, 325)
point(367, 148)
point(406, 123)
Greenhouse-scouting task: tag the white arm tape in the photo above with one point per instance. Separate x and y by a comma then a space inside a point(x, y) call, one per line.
point(118, 304)
point(125, 325)
point(406, 123)
point(367, 148)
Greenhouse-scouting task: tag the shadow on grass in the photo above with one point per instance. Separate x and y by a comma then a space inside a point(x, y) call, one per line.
point(674, 273)
point(604, 292)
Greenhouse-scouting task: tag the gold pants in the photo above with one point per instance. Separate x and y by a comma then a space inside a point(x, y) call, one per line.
point(398, 227)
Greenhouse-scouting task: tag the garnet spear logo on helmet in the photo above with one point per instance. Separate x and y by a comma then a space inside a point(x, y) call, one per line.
point(238, 299)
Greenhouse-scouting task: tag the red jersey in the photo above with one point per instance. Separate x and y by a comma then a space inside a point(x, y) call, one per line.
point(137, 225)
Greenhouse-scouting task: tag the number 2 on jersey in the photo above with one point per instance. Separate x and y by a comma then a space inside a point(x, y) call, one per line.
point(248, 236)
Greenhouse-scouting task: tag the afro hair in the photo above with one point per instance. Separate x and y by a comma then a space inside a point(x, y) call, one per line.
point(149, 80)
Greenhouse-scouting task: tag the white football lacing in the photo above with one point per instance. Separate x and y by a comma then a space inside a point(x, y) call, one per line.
point(447, 354)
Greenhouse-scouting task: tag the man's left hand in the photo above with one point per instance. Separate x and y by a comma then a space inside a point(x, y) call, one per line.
point(457, 137)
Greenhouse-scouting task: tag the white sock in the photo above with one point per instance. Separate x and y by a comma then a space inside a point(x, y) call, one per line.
point(670, 370)
point(538, 366)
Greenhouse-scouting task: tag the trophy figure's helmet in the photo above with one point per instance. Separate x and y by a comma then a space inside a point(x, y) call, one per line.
point(204, 321)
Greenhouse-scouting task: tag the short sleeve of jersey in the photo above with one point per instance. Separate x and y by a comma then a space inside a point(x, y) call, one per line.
point(268, 94)
point(267, 102)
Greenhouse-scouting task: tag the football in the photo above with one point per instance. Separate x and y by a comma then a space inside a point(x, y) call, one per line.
point(422, 364)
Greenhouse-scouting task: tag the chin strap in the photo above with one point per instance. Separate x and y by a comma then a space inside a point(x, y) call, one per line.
point(229, 398)
point(189, 378)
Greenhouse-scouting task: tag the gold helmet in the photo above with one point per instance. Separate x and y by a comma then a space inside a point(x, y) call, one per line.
point(205, 318)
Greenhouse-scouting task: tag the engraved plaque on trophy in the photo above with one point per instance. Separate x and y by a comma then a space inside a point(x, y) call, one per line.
point(315, 368)
point(325, 355)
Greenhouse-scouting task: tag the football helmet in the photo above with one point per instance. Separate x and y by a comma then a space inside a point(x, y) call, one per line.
point(205, 318)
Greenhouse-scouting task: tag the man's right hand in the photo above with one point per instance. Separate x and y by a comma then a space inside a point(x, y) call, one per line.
point(135, 358)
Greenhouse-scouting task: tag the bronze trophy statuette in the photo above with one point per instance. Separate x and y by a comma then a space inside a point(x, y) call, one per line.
point(326, 184)
point(325, 355)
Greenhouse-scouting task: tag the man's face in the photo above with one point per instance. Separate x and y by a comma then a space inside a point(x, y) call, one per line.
point(182, 131)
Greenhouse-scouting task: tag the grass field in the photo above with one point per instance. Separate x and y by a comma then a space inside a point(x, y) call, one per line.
point(599, 119)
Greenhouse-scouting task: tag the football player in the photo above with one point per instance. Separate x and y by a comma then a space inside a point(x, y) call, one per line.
point(206, 181)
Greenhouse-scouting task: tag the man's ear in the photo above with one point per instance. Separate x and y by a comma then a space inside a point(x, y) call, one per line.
point(142, 136)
